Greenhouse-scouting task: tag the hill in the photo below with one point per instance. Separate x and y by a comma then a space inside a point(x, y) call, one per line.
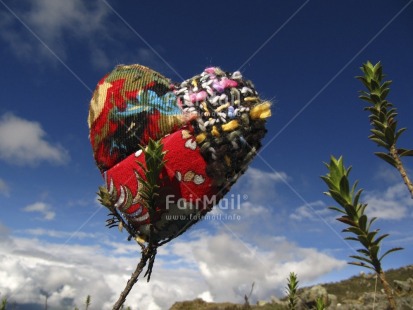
point(357, 292)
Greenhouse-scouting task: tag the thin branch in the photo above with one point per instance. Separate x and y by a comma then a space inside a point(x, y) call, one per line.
point(107, 201)
point(400, 168)
point(387, 289)
point(147, 254)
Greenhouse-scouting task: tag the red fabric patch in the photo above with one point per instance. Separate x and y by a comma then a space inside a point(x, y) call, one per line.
point(183, 179)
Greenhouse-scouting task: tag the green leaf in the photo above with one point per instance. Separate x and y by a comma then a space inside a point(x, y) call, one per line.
point(399, 132)
point(337, 209)
point(337, 197)
point(377, 122)
point(404, 152)
point(361, 208)
point(379, 142)
point(366, 98)
point(351, 211)
point(361, 258)
point(374, 97)
point(386, 84)
point(364, 241)
point(373, 86)
point(357, 198)
point(377, 133)
point(386, 157)
point(372, 220)
point(364, 81)
point(384, 92)
point(390, 251)
point(352, 239)
point(377, 68)
point(389, 133)
point(364, 251)
point(368, 69)
point(371, 235)
point(363, 222)
point(346, 220)
point(379, 239)
point(362, 265)
point(345, 189)
point(327, 180)
point(354, 229)
point(143, 167)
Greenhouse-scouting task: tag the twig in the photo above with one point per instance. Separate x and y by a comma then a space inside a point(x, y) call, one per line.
point(400, 168)
point(387, 289)
point(107, 200)
point(148, 253)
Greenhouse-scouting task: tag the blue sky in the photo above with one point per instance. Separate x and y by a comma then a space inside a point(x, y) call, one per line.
point(301, 55)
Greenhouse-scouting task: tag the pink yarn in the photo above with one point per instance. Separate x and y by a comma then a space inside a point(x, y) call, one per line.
point(195, 97)
point(218, 87)
point(210, 70)
point(224, 83)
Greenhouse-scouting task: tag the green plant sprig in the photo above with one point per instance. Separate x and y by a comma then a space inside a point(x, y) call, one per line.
point(155, 162)
point(3, 303)
point(383, 118)
point(319, 304)
point(359, 225)
point(291, 289)
point(353, 215)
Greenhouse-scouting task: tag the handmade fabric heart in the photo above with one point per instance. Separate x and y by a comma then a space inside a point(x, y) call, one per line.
point(210, 126)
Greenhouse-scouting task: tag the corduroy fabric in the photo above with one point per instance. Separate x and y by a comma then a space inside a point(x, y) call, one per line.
point(130, 105)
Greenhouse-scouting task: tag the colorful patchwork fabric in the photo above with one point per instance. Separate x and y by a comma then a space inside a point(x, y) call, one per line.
point(211, 127)
point(130, 105)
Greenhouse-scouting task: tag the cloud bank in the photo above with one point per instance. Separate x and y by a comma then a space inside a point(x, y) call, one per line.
point(22, 142)
point(216, 266)
point(44, 209)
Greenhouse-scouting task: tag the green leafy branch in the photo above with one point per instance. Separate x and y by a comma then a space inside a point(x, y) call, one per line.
point(383, 118)
point(292, 287)
point(155, 162)
point(3, 303)
point(359, 225)
point(319, 303)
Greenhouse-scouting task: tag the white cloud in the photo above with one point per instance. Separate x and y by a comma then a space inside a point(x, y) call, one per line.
point(206, 296)
point(41, 232)
point(53, 21)
point(230, 266)
point(57, 23)
point(4, 188)
point(387, 174)
point(391, 204)
point(311, 211)
point(260, 186)
point(213, 267)
point(44, 209)
point(22, 142)
point(51, 18)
